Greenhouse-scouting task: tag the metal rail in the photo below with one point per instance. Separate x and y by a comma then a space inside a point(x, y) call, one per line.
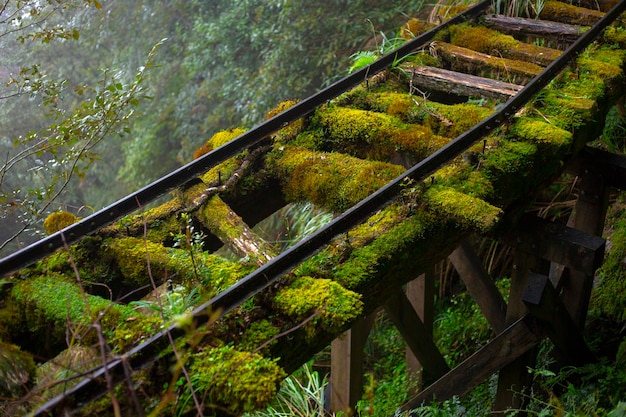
point(95, 384)
point(132, 202)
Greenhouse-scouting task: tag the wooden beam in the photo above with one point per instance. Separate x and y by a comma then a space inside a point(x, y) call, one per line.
point(462, 59)
point(451, 82)
point(480, 286)
point(513, 342)
point(415, 334)
point(560, 32)
point(421, 294)
point(543, 302)
point(513, 378)
point(588, 216)
point(557, 243)
point(346, 364)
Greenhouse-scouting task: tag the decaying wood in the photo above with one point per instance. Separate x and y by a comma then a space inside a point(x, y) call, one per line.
point(476, 62)
point(452, 82)
point(560, 32)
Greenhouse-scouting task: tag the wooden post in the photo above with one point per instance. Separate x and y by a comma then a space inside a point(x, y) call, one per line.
point(421, 294)
point(346, 366)
point(588, 216)
point(513, 378)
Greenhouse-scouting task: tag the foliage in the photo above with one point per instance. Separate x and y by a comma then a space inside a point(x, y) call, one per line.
point(301, 395)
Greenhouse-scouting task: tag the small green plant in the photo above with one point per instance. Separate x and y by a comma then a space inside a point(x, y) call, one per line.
point(362, 59)
point(173, 303)
point(301, 395)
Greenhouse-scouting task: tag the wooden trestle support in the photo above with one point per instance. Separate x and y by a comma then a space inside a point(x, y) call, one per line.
point(544, 303)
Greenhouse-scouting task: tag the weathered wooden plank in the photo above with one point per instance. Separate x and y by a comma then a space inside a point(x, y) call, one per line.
point(451, 82)
point(480, 286)
point(611, 166)
point(543, 302)
point(513, 342)
point(560, 32)
point(557, 243)
point(477, 62)
point(415, 334)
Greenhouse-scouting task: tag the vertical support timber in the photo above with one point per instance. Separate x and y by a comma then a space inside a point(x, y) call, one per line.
point(513, 378)
point(588, 216)
point(346, 364)
point(421, 294)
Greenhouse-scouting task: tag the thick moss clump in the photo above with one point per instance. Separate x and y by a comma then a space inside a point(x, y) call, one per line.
point(58, 220)
point(372, 135)
point(509, 168)
point(257, 334)
point(217, 140)
point(468, 212)
point(53, 301)
point(494, 43)
point(334, 305)
point(292, 129)
point(330, 180)
point(545, 135)
point(236, 381)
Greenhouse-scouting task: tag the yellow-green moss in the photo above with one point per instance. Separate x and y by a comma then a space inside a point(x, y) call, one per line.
point(468, 212)
point(53, 301)
point(134, 255)
point(568, 13)
point(372, 135)
point(547, 136)
point(415, 27)
point(615, 35)
point(58, 220)
point(386, 251)
point(492, 42)
point(256, 334)
point(17, 371)
point(217, 140)
point(331, 180)
point(292, 129)
point(334, 305)
point(237, 381)
point(610, 295)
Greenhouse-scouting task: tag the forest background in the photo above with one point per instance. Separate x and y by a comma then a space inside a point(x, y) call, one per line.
point(99, 98)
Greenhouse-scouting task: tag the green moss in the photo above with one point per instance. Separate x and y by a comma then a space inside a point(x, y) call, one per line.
point(58, 220)
point(17, 372)
point(237, 381)
point(136, 256)
point(290, 131)
point(372, 135)
point(334, 305)
point(508, 167)
point(492, 42)
point(568, 13)
point(256, 334)
point(467, 212)
point(331, 180)
point(53, 301)
point(615, 35)
point(610, 295)
point(545, 135)
point(218, 139)
point(133, 330)
point(367, 262)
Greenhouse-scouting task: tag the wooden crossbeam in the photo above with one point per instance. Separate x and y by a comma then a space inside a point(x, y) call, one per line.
point(545, 29)
point(557, 243)
point(451, 82)
point(543, 302)
point(513, 342)
point(415, 334)
point(480, 286)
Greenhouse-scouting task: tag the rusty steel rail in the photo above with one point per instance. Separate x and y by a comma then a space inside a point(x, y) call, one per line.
point(116, 370)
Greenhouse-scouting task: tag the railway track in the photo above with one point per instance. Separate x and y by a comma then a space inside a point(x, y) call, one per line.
point(394, 134)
